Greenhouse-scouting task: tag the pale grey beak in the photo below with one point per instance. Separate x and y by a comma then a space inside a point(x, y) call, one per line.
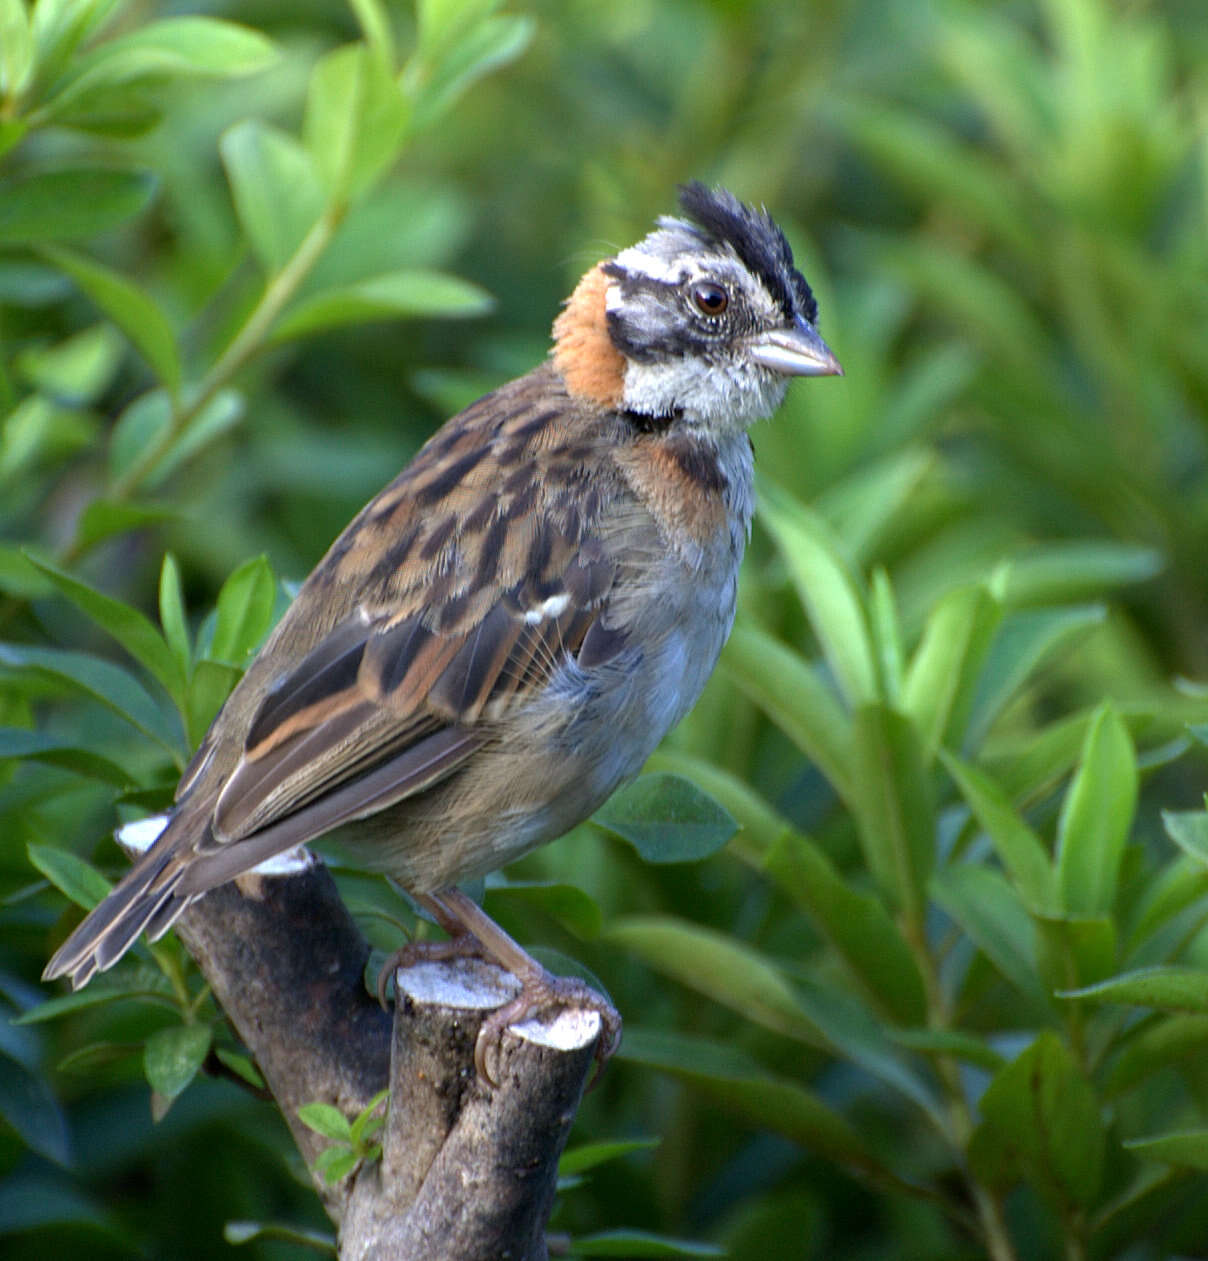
point(797, 351)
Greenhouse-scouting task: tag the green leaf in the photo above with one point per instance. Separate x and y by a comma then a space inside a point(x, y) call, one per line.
point(103, 518)
point(719, 967)
point(16, 49)
point(667, 819)
point(66, 205)
point(640, 1243)
point(354, 121)
point(335, 1163)
point(70, 874)
point(368, 1121)
point(127, 625)
point(1063, 572)
point(172, 1057)
point(1189, 831)
point(128, 307)
point(1075, 950)
point(893, 805)
point(1097, 815)
point(17, 742)
point(152, 54)
point(114, 687)
point(1168, 988)
point(991, 913)
point(435, 85)
point(1170, 1042)
point(742, 1088)
point(943, 676)
point(856, 924)
point(573, 908)
point(245, 611)
point(275, 186)
point(172, 615)
point(78, 370)
point(950, 1043)
point(326, 1119)
point(221, 413)
point(1041, 1116)
point(1022, 852)
point(827, 588)
point(62, 26)
point(209, 687)
point(392, 296)
point(1185, 1149)
point(580, 1159)
point(140, 428)
point(1024, 642)
point(374, 22)
point(796, 699)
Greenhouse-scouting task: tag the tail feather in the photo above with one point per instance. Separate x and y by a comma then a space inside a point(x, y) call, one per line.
point(145, 897)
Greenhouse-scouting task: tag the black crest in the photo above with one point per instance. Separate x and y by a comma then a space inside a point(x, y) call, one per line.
point(756, 240)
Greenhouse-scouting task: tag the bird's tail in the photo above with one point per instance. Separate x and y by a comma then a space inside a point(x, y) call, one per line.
point(147, 899)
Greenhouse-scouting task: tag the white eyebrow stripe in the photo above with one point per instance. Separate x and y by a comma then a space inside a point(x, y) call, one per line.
point(554, 606)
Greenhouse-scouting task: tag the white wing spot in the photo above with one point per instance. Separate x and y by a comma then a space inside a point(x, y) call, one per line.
point(555, 606)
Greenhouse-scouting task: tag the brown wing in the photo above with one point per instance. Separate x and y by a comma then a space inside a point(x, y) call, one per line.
point(462, 586)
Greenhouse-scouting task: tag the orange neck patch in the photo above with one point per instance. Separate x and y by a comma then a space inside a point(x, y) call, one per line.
point(592, 367)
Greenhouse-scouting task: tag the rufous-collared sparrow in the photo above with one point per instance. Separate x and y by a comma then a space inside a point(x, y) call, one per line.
point(502, 636)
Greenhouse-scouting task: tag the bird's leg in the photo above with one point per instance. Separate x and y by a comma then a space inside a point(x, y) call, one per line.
point(472, 932)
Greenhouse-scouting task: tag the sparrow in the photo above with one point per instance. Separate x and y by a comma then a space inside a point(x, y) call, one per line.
point(499, 639)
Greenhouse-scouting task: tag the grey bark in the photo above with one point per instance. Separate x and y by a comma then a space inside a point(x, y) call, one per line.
point(467, 1171)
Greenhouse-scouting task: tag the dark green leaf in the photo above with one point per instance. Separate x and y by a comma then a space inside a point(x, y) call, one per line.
point(65, 205)
point(112, 686)
point(951, 1044)
point(17, 742)
point(569, 905)
point(1186, 1149)
point(1170, 1042)
point(1169, 988)
point(103, 518)
point(127, 625)
point(1041, 1115)
point(640, 1243)
point(855, 923)
point(720, 967)
point(172, 1057)
point(893, 805)
point(1075, 950)
point(792, 693)
point(667, 819)
point(29, 1106)
point(587, 1156)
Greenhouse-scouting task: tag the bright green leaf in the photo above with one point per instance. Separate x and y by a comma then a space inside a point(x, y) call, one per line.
point(172, 615)
point(128, 307)
point(391, 296)
point(827, 588)
point(326, 1119)
point(943, 676)
point(245, 610)
point(142, 427)
point(1097, 815)
point(16, 49)
point(275, 186)
point(667, 819)
point(1021, 851)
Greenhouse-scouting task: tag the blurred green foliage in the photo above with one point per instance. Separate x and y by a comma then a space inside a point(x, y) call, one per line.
point(945, 993)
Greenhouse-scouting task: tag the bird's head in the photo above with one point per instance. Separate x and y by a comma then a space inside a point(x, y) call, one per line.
point(702, 322)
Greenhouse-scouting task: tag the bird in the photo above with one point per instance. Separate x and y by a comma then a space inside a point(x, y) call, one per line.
point(499, 639)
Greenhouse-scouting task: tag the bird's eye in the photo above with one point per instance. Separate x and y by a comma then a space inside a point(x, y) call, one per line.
point(710, 298)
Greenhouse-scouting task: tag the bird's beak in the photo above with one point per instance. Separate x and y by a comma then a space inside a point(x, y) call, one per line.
point(796, 351)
